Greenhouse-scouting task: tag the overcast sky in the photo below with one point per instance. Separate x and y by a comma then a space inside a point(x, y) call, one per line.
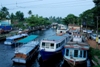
point(47, 8)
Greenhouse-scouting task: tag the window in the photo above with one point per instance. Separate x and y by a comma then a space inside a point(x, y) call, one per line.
point(52, 45)
point(9, 40)
point(57, 46)
point(43, 44)
point(75, 53)
point(67, 52)
point(80, 53)
point(84, 55)
point(47, 45)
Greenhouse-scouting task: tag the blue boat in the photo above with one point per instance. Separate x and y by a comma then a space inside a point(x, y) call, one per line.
point(13, 39)
point(52, 46)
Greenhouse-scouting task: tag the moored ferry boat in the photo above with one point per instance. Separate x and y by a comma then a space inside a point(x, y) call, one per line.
point(12, 39)
point(26, 52)
point(76, 53)
point(61, 28)
point(52, 46)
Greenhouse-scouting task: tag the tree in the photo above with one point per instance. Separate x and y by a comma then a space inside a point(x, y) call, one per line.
point(97, 2)
point(70, 19)
point(19, 16)
point(4, 13)
point(87, 18)
point(30, 12)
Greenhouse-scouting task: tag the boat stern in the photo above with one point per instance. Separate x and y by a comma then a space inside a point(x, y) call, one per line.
point(19, 60)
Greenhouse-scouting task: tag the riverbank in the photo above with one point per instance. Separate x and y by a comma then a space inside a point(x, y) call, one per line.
point(94, 52)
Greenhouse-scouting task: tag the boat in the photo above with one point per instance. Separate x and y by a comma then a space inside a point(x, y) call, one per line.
point(52, 46)
point(77, 37)
point(61, 28)
point(12, 39)
point(76, 53)
point(27, 51)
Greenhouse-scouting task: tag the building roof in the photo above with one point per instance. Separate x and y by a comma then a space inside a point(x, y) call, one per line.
point(4, 23)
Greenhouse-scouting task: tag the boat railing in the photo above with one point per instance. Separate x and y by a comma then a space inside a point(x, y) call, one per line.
point(79, 43)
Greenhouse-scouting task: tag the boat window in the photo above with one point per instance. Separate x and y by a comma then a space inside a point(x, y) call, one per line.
point(52, 45)
point(43, 44)
point(57, 45)
point(63, 42)
point(66, 39)
point(60, 31)
point(9, 40)
point(84, 54)
point(47, 45)
point(75, 53)
point(67, 52)
point(80, 53)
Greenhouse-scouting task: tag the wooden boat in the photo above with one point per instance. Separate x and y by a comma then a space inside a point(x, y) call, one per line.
point(12, 39)
point(76, 53)
point(26, 52)
point(52, 46)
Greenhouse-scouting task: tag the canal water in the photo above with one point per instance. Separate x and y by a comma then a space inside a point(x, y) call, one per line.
point(7, 52)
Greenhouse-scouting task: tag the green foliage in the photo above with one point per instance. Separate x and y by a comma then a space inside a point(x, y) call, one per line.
point(4, 13)
point(97, 66)
point(37, 21)
point(94, 52)
point(19, 16)
point(70, 19)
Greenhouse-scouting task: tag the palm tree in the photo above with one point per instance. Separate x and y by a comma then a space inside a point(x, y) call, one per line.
point(5, 12)
point(30, 12)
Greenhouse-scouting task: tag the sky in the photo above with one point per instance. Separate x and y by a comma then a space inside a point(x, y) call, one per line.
point(47, 8)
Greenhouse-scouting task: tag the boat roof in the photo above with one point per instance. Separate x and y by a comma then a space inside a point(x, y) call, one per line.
point(28, 39)
point(26, 48)
point(77, 45)
point(15, 36)
point(54, 38)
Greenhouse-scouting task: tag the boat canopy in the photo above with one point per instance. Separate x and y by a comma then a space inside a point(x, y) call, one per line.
point(28, 39)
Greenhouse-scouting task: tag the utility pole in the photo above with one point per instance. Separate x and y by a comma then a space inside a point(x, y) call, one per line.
point(97, 24)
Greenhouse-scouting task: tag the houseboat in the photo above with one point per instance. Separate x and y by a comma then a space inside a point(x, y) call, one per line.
point(27, 51)
point(61, 28)
point(12, 39)
point(52, 46)
point(76, 53)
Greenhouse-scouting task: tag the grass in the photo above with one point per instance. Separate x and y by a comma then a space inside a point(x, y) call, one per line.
point(95, 52)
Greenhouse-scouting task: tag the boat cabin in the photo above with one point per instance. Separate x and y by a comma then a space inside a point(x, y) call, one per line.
point(26, 52)
point(75, 52)
point(12, 39)
point(61, 28)
point(52, 43)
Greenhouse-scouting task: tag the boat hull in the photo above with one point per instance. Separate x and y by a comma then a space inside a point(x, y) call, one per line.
point(51, 55)
point(74, 63)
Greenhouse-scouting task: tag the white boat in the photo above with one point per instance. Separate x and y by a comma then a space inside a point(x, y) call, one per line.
point(77, 37)
point(12, 39)
point(54, 25)
point(76, 53)
point(26, 52)
point(52, 46)
point(61, 28)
